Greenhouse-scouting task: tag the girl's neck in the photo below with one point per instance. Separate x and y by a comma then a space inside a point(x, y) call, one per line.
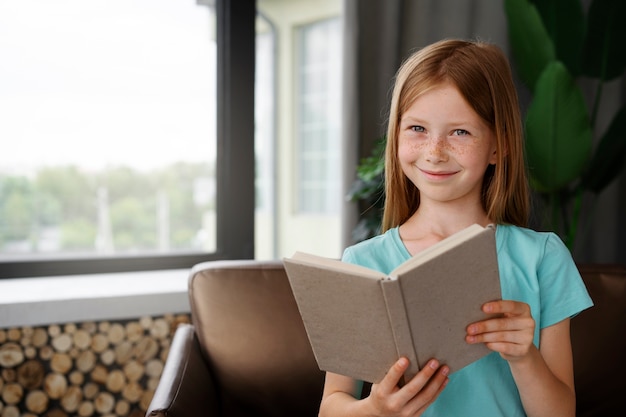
point(429, 225)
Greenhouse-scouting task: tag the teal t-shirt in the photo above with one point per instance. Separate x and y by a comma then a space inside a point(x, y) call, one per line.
point(535, 268)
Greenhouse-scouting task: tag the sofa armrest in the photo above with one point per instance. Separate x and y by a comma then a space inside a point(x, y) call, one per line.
point(186, 387)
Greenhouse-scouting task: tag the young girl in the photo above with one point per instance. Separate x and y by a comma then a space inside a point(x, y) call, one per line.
point(454, 157)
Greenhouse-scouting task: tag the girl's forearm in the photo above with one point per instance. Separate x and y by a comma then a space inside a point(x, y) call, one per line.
point(541, 392)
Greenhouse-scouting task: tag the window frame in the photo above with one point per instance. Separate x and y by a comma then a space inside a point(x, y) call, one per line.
point(235, 34)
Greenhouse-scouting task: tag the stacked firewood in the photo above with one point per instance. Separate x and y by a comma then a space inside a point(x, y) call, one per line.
point(84, 369)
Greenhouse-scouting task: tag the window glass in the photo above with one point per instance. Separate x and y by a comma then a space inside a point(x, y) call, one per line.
point(319, 109)
point(109, 109)
point(297, 127)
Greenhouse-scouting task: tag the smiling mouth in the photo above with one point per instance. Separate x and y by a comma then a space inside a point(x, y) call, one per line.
point(438, 174)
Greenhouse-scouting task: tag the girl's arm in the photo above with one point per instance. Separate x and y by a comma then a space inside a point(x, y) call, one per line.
point(544, 376)
point(386, 398)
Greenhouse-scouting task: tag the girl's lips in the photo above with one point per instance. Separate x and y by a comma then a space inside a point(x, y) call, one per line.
point(438, 175)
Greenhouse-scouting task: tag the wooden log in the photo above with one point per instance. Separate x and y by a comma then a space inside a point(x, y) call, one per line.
point(89, 326)
point(115, 381)
point(104, 403)
point(11, 354)
point(103, 326)
point(72, 399)
point(14, 334)
point(146, 322)
point(122, 407)
point(11, 411)
point(154, 368)
point(132, 392)
point(90, 390)
point(146, 349)
point(146, 397)
point(46, 352)
point(123, 352)
point(30, 352)
point(61, 362)
point(82, 339)
point(12, 393)
point(77, 378)
point(86, 361)
point(86, 409)
point(70, 328)
point(134, 331)
point(152, 383)
point(37, 401)
point(40, 337)
point(54, 330)
point(134, 370)
point(107, 357)
point(3, 338)
point(9, 375)
point(55, 412)
point(99, 343)
point(164, 352)
point(62, 342)
point(100, 374)
point(30, 374)
point(160, 329)
point(116, 333)
point(55, 385)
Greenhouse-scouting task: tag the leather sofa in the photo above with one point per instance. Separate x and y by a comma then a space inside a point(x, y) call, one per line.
point(247, 353)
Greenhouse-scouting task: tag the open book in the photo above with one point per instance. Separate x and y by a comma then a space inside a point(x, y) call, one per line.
point(359, 321)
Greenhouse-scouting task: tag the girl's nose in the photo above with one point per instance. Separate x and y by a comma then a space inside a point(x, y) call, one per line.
point(436, 149)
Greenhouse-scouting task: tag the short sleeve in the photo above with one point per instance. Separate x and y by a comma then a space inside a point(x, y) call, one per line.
point(563, 292)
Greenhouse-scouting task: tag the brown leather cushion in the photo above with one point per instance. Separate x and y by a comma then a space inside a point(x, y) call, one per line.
point(248, 325)
point(599, 343)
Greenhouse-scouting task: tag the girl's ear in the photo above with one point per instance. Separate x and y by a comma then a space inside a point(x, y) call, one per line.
point(493, 159)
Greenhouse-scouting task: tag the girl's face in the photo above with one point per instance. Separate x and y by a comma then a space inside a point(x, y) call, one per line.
point(444, 147)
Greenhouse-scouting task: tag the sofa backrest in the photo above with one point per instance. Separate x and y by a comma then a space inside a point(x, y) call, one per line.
point(599, 343)
point(251, 332)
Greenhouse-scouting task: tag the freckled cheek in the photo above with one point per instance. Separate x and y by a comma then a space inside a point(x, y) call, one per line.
point(408, 147)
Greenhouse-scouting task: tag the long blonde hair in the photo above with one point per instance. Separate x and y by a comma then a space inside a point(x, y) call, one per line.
point(482, 74)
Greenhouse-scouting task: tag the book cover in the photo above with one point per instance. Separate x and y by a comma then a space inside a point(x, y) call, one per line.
point(360, 321)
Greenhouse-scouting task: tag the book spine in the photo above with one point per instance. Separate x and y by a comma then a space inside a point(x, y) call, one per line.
point(399, 322)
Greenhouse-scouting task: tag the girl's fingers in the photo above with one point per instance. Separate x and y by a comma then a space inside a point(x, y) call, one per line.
point(394, 375)
point(508, 307)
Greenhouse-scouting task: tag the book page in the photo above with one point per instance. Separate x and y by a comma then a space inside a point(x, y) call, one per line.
point(336, 264)
point(438, 248)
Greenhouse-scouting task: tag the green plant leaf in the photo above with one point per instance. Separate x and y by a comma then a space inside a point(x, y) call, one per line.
point(604, 54)
point(565, 22)
point(610, 156)
point(558, 133)
point(531, 45)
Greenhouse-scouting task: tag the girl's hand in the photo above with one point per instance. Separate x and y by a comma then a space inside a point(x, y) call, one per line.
point(388, 399)
point(510, 333)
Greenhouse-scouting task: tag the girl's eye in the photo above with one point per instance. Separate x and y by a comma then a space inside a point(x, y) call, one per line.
point(461, 132)
point(417, 128)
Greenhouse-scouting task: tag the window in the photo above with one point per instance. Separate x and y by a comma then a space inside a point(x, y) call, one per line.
point(298, 116)
point(319, 112)
point(112, 111)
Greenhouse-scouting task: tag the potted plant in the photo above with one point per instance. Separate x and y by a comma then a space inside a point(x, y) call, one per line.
point(556, 48)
